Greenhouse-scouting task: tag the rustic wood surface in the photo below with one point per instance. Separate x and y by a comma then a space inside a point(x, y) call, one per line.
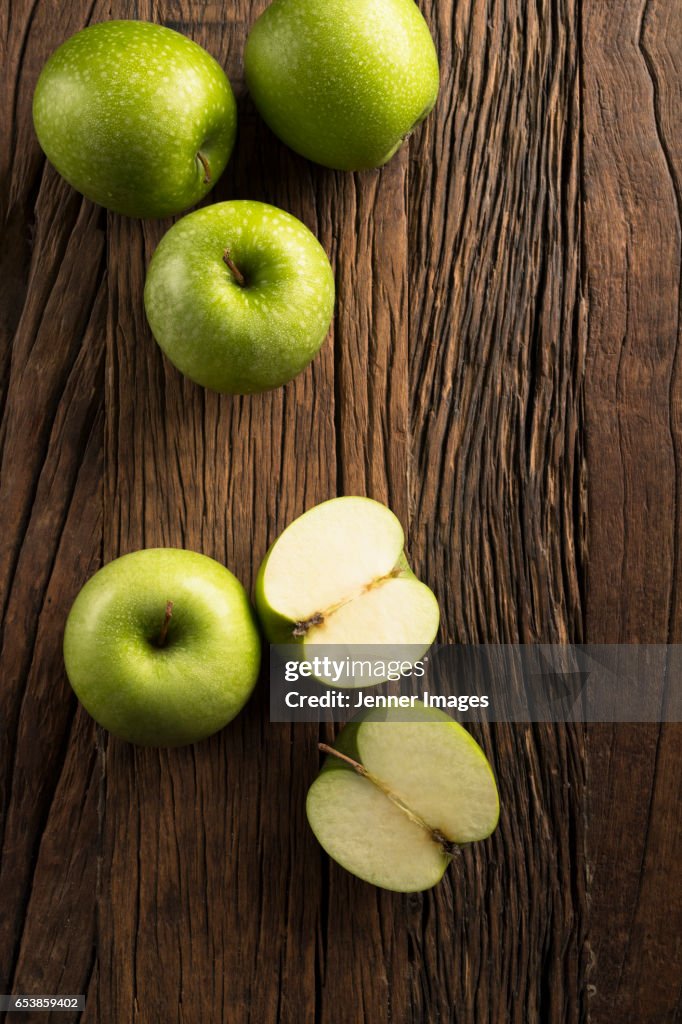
point(504, 372)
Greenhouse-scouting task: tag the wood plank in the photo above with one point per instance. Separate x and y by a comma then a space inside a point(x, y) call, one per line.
point(208, 863)
point(51, 510)
point(633, 396)
point(53, 306)
point(369, 215)
point(497, 351)
point(507, 330)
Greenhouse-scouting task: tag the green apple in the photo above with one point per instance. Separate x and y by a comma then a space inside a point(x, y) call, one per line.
point(338, 575)
point(161, 647)
point(398, 794)
point(239, 296)
point(136, 117)
point(342, 82)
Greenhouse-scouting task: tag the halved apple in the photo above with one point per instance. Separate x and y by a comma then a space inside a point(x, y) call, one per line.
point(400, 791)
point(338, 575)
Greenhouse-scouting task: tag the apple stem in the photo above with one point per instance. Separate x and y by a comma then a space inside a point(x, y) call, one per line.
point(232, 266)
point(355, 765)
point(163, 635)
point(301, 628)
point(207, 167)
point(448, 846)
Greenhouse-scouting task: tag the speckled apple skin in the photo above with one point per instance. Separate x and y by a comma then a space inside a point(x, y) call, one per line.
point(181, 692)
point(122, 109)
point(344, 81)
point(233, 339)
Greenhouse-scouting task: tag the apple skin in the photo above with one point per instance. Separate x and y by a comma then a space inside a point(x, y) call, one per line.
point(276, 628)
point(345, 81)
point(228, 337)
point(171, 695)
point(123, 108)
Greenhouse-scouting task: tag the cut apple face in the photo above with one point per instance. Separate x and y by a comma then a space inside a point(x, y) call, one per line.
point(338, 575)
point(396, 797)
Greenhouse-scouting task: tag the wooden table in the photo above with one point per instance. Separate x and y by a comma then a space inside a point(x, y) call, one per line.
point(504, 371)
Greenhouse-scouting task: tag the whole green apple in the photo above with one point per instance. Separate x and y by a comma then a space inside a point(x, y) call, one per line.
point(136, 117)
point(239, 296)
point(342, 82)
point(161, 647)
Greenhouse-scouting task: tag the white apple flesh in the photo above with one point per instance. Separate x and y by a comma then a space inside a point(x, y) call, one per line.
point(409, 793)
point(338, 575)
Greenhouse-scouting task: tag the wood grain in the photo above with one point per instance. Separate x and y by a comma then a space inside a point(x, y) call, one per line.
point(497, 366)
point(503, 371)
point(51, 510)
point(633, 397)
point(225, 476)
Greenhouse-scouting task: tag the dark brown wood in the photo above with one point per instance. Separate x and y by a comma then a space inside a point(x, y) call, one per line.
point(496, 375)
point(633, 393)
point(503, 372)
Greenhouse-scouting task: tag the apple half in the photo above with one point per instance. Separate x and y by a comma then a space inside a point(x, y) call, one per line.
point(398, 794)
point(338, 575)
